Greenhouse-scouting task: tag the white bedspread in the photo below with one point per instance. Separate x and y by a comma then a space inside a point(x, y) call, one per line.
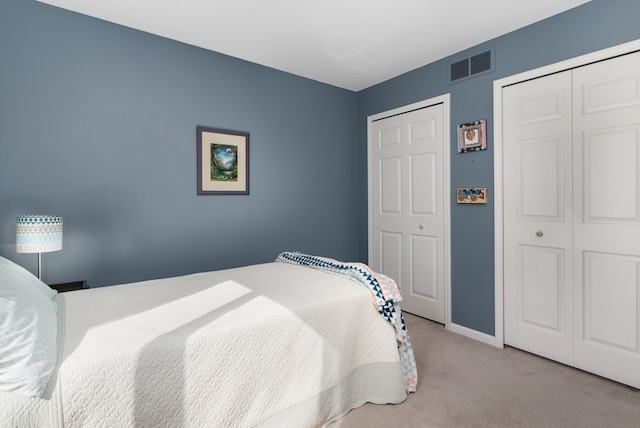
point(265, 345)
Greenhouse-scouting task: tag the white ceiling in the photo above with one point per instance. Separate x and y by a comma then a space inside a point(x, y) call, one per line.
point(352, 44)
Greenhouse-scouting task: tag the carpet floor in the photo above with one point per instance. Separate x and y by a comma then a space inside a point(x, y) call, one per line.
point(466, 383)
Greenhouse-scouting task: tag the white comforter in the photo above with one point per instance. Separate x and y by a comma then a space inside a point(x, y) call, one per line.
point(265, 345)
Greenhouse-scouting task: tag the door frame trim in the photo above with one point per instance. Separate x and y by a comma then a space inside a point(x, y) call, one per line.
point(579, 61)
point(445, 100)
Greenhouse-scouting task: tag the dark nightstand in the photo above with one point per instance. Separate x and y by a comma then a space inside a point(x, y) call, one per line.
point(69, 286)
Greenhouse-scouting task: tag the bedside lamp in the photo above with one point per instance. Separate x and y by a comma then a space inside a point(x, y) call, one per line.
point(38, 234)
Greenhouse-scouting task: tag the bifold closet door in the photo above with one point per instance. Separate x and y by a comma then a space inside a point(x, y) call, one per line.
point(407, 188)
point(572, 217)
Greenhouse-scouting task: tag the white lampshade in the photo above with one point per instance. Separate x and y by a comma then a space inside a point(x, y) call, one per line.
point(38, 234)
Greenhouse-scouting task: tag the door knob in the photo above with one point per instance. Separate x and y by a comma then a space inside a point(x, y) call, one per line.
point(539, 234)
point(421, 226)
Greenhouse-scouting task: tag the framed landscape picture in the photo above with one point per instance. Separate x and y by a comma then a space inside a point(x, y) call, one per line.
point(222, 161)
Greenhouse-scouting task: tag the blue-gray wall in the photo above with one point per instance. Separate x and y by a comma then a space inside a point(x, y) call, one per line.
point(97, 124)
point(596, 25)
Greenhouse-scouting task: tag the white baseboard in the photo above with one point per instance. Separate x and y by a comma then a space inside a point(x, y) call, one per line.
point(475, 334)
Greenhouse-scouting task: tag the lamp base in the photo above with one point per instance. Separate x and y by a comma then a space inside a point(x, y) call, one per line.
point(40, 266)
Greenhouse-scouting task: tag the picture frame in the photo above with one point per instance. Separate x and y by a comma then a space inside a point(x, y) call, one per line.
point(471, 195)
point(472, 137)
point(222, 161)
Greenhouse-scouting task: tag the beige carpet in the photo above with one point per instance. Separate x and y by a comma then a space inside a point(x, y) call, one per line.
point(466, 383)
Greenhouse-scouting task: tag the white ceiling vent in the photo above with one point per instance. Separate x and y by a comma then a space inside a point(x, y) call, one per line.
point(471, 66)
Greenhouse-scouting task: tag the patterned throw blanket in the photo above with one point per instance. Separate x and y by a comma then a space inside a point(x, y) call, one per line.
point(386, 294)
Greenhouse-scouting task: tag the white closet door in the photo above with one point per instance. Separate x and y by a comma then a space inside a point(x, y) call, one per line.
point(606, 218)
point(407, 164)
point(572, 217)
point(538, 290)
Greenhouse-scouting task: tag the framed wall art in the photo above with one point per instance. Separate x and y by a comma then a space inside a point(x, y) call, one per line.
point(472, 136)
point(471, 195)
point(223, 161)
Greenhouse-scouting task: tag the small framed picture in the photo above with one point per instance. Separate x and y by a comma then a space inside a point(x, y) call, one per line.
point(471, 195)
point(472, 137)
point(222, 161)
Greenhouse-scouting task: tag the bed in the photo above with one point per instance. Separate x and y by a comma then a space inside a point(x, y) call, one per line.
point(297, 342)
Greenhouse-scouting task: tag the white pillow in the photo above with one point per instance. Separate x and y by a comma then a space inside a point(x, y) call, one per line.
point(28, 331)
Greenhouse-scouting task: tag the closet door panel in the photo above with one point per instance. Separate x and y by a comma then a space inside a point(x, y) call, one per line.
point(537, 164)
point(606, 218)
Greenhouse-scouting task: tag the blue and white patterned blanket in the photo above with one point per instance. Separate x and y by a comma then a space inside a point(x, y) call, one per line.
point(385, 293)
